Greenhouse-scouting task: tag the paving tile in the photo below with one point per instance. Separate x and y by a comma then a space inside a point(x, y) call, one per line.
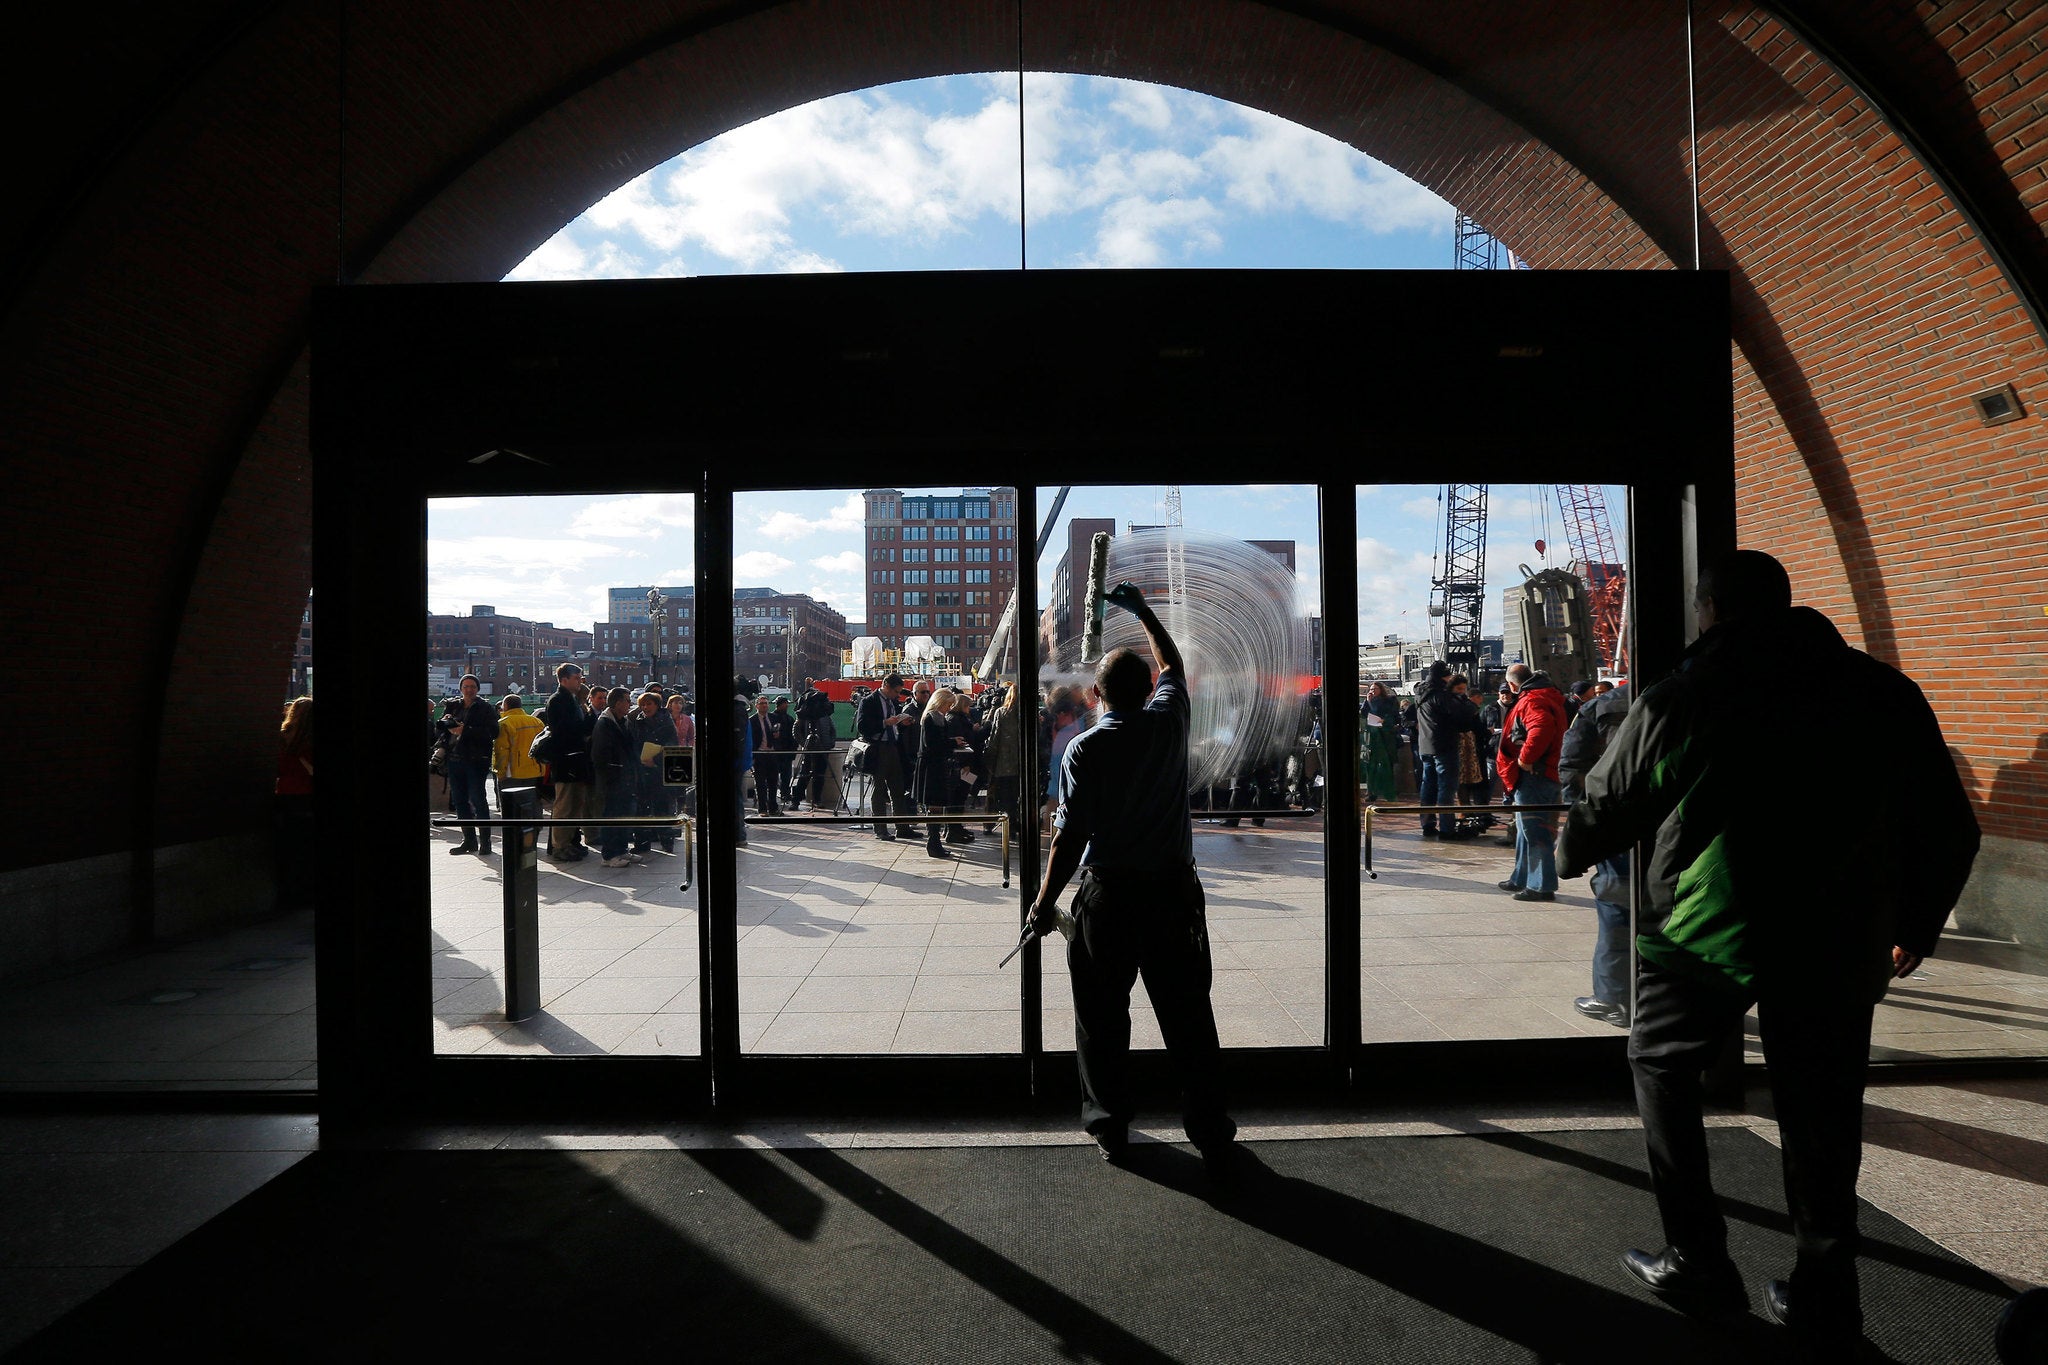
point(886, 934)
point(1270, 1026)
point(565, 1035)
point(623, 995)
point(2018, 1257)
point(845, 1031)
point(952, 1031)
point(655, 962)
point(779, 959)
point(844, 960)
point(668, 1035)
point(979, 992)
point(767, 994)
point(1465, 1017)
point(842, 994)
point(1430, 982)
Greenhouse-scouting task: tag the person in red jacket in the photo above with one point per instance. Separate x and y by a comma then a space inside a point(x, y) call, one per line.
point(1528, 768)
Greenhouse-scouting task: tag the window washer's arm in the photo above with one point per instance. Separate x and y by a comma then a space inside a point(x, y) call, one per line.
point(1068, 843)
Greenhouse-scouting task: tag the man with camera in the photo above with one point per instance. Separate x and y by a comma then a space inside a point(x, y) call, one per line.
point(569, 724)
point(471, 727)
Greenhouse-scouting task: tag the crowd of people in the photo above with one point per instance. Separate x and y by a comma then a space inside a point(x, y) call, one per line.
point(589, 753)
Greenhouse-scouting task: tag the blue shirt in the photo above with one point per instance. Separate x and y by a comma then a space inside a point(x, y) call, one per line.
point(1124, 785)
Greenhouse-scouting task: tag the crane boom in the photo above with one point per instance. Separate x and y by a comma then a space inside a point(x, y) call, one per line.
point(1591, 537)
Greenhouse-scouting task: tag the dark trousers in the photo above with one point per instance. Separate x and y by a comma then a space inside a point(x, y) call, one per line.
point(468, 793)
point(1150, 924)
point(885, 766)
point(767, 784)
point(616, 798)
point(1816, 1051)
point(1439, 778)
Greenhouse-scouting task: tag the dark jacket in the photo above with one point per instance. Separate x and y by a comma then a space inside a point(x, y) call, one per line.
point(479, 733)
point(613, 753)
point(1740, 891)
point(569, 723)
point(933, 782)
point(868, 720)
point(1535, 731)
point(1441, 715)
point(1590, 731)
point(659, 728)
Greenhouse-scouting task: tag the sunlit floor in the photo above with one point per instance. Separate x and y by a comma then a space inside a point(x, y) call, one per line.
point(852, 945)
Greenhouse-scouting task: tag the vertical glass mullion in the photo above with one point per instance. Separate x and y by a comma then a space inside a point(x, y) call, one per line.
point(1338, 527)
point(717, 812)
point(1025, 629)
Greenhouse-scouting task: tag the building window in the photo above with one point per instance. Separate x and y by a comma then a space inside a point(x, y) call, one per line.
point(944, 556)
point(977, 575)
point(945, 575)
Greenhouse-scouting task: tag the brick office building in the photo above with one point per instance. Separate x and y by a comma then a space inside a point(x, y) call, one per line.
point(942, 565)
point(507, 653)
point(782, 635)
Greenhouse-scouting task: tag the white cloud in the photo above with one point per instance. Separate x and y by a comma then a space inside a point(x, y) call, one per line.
point(644, 516)
point(1138, 233)
point(1420, 507)
point(845, 562)
point(518, 556)
point(755, 567)
point(1281, 167)
point(848, 516)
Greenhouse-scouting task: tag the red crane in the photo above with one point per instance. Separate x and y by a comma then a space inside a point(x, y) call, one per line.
point(1591, 537)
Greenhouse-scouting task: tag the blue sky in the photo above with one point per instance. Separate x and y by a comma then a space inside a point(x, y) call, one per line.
point(923, 176)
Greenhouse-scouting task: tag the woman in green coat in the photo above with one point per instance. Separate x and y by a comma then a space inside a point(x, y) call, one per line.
point(1377, 743)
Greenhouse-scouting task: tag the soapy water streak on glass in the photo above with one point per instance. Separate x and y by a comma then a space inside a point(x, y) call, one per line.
point(1240, 631)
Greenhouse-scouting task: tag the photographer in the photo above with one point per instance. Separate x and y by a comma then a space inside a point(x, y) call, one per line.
point(470, 727)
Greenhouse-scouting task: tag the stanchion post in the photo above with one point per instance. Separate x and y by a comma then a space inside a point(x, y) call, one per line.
point(522, 902)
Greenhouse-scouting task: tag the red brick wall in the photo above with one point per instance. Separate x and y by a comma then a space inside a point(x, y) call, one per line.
point(153, 418)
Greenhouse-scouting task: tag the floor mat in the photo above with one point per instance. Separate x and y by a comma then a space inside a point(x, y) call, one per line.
point(1491, 1248)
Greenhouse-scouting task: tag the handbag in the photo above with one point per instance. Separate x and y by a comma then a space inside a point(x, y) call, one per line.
point(857, 755)
point(543, 747)
point(437, 761)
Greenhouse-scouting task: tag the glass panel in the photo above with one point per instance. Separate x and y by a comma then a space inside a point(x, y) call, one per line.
point(1233, 573)
point(519, 589)
point(853, 936)
point(1483, 577)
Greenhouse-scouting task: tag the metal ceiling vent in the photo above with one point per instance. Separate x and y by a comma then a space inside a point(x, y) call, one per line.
point(1995, 407)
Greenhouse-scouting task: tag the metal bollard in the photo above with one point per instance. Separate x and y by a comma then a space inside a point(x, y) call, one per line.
point(522, 902)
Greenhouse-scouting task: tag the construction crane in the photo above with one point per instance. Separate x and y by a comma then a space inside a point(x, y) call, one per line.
point(1458, 595)
point(1591, 537)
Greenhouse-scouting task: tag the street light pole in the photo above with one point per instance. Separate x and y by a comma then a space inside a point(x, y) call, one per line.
point(656, 613)
point(796, 637)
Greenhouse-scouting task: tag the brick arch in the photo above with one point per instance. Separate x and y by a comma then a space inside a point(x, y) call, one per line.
point(147, 338)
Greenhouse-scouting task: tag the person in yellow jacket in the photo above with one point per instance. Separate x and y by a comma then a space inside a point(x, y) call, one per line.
point(512, 760)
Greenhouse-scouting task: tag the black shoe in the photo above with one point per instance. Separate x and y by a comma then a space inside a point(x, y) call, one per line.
point(1429, 833)
point(462, 848)
point(908, 832)
point(1112, 1143)
point(1509, 886)
point(1594, 1008)
point(936, 851)
point(484, 849)
point(1220, 1160)
point(1527, 895)
point(1705, 1282)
